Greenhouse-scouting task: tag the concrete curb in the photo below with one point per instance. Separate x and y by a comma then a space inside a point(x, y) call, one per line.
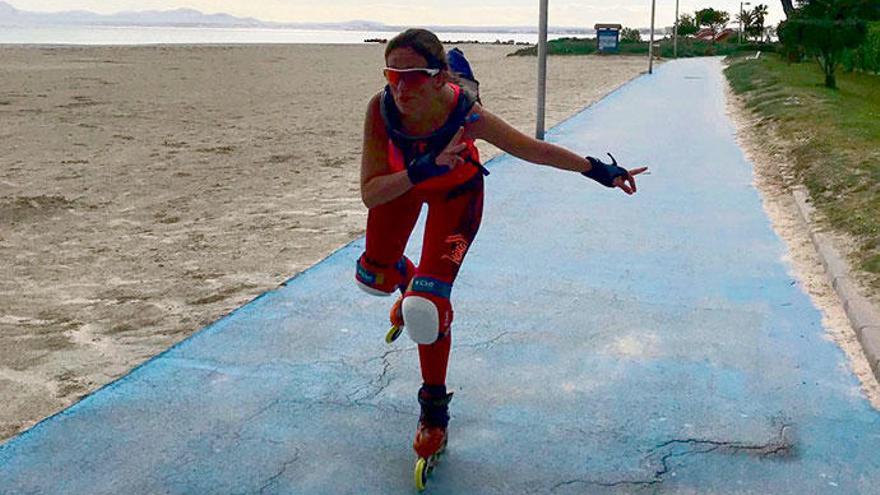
point(862, 314)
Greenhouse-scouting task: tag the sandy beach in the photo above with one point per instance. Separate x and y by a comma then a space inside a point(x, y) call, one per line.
point(147, 191)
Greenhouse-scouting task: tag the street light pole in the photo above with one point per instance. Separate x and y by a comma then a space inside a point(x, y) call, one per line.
point(740, 23)
point(542, 69)
point(651, 43)
point(741, 20)
point(675, 33)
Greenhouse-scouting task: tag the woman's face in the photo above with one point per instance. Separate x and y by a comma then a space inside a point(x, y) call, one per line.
point(416, 90)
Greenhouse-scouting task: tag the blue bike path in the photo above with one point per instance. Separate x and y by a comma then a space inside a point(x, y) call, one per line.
point(602, 344)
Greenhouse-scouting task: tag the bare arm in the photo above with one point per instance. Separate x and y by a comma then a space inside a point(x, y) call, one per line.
point(377, 185)
point(498, 132)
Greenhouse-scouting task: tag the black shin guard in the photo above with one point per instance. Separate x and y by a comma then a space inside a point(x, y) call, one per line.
point(434, 402)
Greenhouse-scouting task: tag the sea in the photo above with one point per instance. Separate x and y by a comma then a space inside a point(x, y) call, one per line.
point(139, 35)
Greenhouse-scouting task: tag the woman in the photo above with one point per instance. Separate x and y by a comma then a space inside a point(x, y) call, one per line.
point(419, 148)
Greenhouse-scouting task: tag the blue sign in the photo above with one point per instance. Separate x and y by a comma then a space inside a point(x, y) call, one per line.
point(607, 40)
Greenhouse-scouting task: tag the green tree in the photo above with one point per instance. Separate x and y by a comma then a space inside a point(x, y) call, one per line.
point(755, 27)
point(687, 25)
point(746, 18)
point(825, 28)
point(631, 35)
point(715, 20)
point(791, 46)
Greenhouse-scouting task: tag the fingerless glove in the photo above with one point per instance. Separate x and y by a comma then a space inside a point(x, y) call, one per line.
point(604, 173)
point(424, 168)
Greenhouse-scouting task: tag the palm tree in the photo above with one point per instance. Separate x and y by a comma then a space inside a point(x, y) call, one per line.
point(756, 28)
point(753, 22)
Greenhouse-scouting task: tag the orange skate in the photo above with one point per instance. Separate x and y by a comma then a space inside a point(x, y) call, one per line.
point(431, 438)
point(396, 318)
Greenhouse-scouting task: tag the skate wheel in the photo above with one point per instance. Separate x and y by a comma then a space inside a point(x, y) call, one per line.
point(393, 333)
point(420, 475)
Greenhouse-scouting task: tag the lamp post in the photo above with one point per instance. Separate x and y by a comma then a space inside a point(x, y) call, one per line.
point(542, 69)
point(651, 43)
point(675, 33)
point(741, 20)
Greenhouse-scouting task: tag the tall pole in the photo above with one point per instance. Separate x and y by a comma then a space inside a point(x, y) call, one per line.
point(651, 44)
point(542, 69)
point(741, 25)
point(740, 22)
point(675, 33)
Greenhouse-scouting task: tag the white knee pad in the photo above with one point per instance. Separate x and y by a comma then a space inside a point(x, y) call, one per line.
point(422, 320)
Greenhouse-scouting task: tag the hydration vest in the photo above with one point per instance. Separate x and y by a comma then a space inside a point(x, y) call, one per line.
point(461, 68)
point(404, 148)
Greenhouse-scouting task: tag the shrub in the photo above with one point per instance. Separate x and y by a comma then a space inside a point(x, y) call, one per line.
point(867, 56)
point(630, 34)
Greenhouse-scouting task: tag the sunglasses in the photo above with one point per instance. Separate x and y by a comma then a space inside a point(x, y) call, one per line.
point(410, 76)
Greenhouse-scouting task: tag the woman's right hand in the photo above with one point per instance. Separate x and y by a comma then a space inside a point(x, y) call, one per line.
point(450, 156)
point(427, 166)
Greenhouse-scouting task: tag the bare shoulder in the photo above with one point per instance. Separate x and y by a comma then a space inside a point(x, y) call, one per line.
point(473, 122)
point(481, 123)
point(373, 124)
point(373, 105)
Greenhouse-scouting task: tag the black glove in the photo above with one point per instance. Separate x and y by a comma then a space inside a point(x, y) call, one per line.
point(424, 168)
point(604, 173)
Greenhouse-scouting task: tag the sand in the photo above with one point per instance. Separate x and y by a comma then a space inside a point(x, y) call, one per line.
point(774, 180)
point(145, 192)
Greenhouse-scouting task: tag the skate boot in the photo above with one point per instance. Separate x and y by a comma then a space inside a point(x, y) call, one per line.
point(407, 271)
point(396, 318)
point(431, 437)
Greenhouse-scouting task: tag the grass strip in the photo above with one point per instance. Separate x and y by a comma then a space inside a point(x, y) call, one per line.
point(687, 47)
point(834, 140)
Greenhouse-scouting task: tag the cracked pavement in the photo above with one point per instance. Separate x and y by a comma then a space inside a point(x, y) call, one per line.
point(781, 445)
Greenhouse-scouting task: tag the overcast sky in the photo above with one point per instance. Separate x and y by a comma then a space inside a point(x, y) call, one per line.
point(583, 13)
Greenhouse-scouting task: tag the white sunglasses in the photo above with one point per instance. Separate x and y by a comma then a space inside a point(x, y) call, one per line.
point(411, 75)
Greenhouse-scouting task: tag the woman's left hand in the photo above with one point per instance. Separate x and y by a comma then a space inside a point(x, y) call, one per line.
point(628, 182)
point(612, 175)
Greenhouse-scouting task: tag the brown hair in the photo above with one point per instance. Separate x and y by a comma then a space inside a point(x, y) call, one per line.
point(423, 42)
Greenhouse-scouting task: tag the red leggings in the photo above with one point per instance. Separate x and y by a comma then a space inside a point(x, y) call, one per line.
point(453, 220)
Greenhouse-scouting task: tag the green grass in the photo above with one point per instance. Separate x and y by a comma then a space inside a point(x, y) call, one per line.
point(687, 47)
point(835, 138)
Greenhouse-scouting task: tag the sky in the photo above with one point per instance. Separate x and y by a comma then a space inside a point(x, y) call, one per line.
point(569, 13)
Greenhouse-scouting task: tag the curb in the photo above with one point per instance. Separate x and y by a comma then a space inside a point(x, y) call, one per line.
point(863, 316)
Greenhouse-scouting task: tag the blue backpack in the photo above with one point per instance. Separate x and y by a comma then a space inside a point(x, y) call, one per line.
point(459, 66)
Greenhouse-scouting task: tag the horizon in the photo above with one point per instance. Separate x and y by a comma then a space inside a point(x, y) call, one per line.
point(442, 13)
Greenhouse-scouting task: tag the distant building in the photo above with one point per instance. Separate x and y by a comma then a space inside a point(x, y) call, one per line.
point(707, 34)
point(607, 37)
point(725, 34)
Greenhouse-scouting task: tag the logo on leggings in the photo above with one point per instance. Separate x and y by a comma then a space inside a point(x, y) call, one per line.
point(459, 248)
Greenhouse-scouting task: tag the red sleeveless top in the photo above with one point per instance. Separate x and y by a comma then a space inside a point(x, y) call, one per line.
point(458, 175)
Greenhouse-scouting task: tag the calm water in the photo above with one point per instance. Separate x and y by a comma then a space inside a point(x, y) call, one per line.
point(78, 35)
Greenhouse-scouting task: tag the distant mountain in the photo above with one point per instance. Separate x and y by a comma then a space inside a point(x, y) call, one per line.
point(181, 17)
point(10, 16)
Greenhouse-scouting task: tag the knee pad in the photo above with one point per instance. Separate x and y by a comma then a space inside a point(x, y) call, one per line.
point(382, 280)
point(427, 312)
